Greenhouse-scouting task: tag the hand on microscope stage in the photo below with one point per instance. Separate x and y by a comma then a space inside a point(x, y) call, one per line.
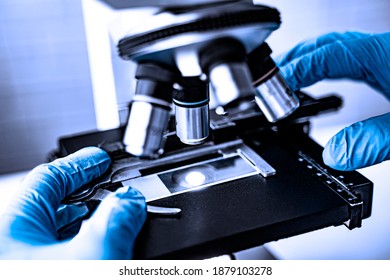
point(28, 227)
point(357, 56)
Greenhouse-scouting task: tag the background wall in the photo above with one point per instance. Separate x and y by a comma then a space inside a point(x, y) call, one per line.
point(45, 89)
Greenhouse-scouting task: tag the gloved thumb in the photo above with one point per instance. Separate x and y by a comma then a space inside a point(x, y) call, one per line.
point(111, 231)
point(360, 145)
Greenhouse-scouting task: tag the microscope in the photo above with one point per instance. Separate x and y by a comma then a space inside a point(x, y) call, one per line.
point(215, 139)
point(218, 45)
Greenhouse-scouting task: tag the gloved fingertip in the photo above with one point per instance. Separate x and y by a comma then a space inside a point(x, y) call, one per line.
point(114, 226)
point(329, 157)
point(81, 167)
point(335, 153)
point(136, 200)
point(91, 156)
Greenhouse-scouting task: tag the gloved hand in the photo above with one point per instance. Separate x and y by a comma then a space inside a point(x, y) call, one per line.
point(357, 56)
point(28, 227)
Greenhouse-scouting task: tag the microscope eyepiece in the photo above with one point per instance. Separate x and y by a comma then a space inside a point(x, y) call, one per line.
point(150, 110)
point(274, 97)
point(191, 103)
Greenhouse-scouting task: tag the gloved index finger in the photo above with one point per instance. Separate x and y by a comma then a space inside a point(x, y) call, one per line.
point(310, 45)
point(33, 210)
point(331, 61)
point(362, 144)
point(53, 181)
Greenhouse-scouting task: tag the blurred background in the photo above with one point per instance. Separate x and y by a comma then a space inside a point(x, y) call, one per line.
point(46, 92)
point(45, 88)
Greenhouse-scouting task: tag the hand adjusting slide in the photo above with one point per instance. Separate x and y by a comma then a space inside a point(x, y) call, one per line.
point(357, 56)
point(28, 228)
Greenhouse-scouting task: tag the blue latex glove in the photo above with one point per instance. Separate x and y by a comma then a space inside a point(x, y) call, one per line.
point(357, 56)
point(28, 227)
